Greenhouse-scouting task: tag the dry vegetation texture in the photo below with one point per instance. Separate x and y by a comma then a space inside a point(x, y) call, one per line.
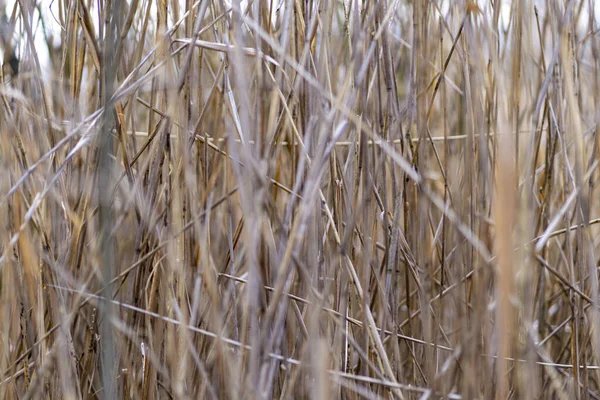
point(299, 199)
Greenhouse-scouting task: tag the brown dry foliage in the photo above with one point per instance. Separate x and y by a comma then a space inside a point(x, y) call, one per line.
point(299, 199)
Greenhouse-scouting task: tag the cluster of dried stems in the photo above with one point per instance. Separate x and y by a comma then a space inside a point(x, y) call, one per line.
point(299, 199)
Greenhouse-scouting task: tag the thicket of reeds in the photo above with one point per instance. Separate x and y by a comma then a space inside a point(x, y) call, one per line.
point(299, 199)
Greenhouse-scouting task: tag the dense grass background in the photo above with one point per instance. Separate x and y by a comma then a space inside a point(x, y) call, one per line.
point(299, 199)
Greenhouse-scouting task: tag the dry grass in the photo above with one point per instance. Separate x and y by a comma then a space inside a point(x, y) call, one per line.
point(299, 199)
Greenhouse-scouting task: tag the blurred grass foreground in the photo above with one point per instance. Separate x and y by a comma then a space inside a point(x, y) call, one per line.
point(299, 199)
